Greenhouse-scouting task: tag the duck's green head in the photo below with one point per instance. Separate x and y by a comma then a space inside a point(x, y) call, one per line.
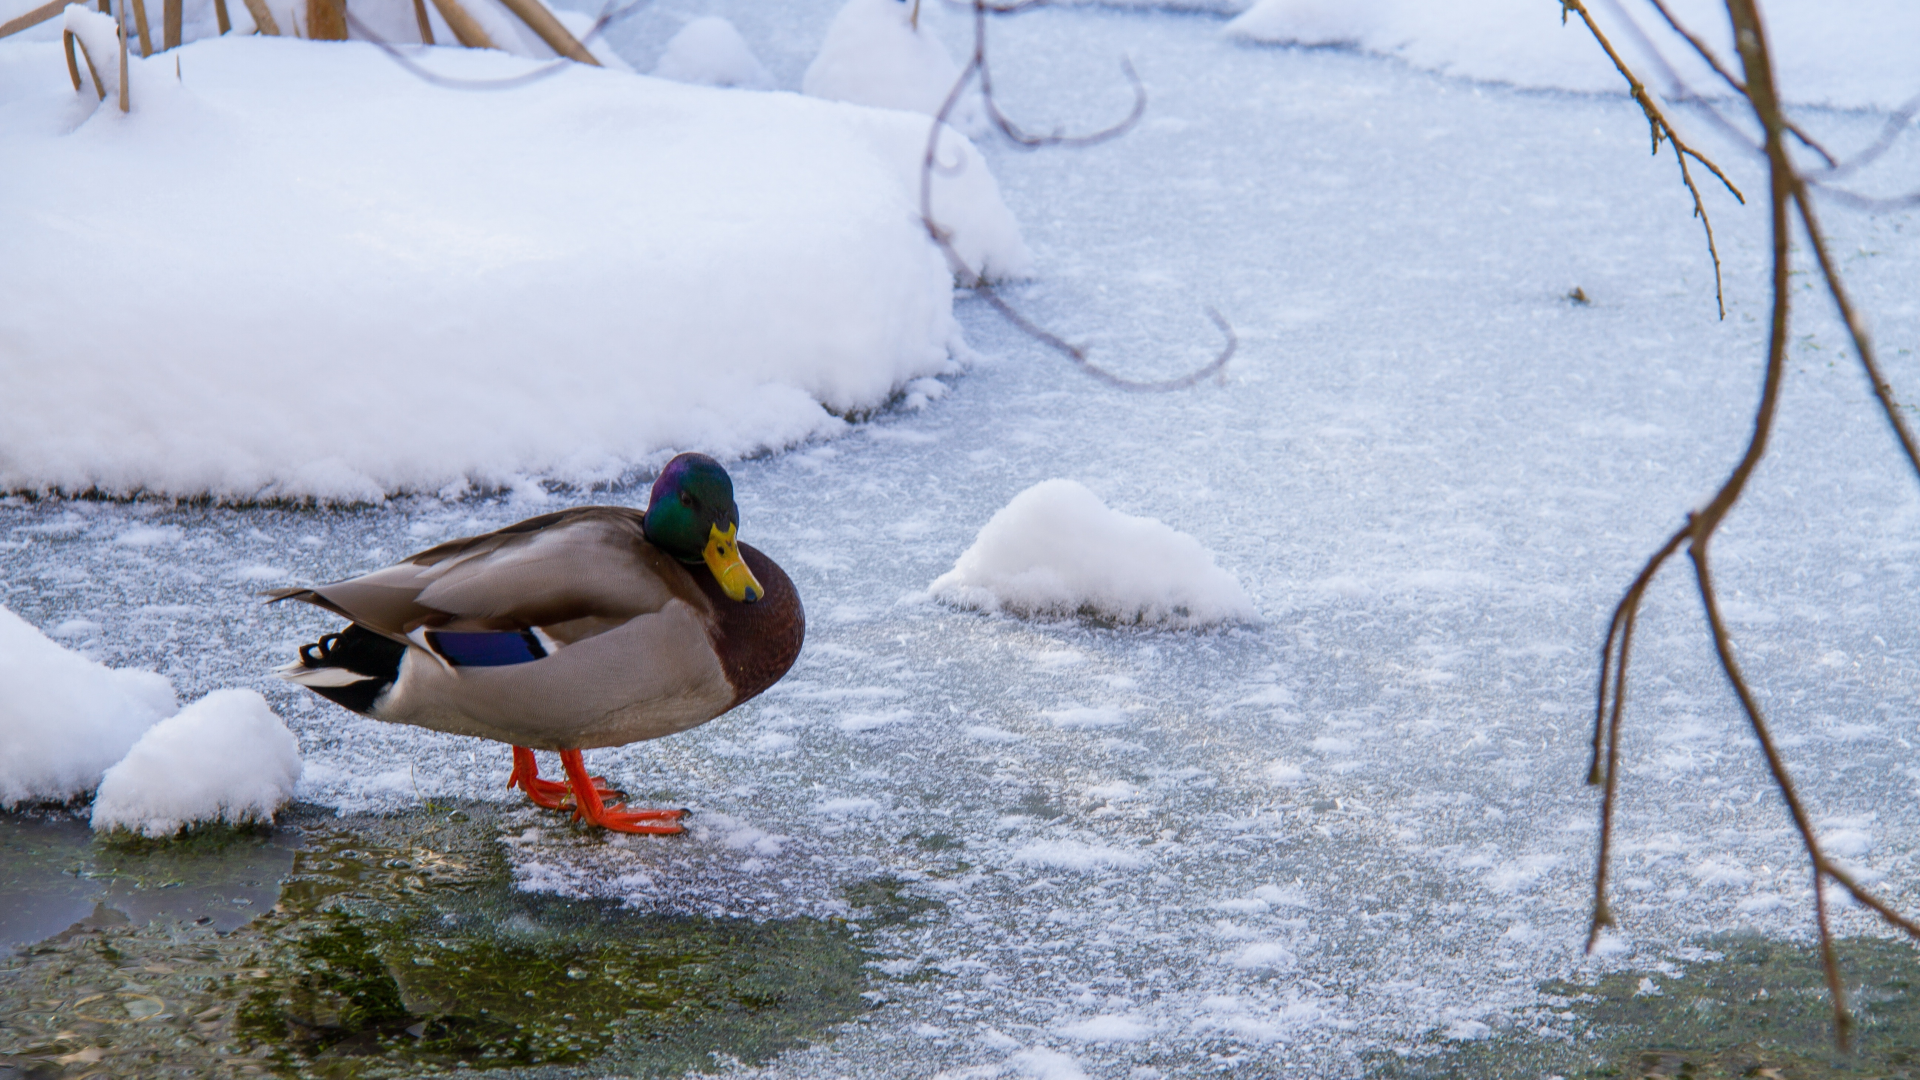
point(691, 516)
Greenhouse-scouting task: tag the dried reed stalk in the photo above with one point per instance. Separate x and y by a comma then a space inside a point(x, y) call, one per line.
point(426, 24)
point(220, 16)
point(73, 66)
point(466, 29)
point(170, 15)
point(140, 21)
point(263, 20)
point(120, 29)
point(33, 18)
point(557, 37)
point(326, 20)
point(70, 39)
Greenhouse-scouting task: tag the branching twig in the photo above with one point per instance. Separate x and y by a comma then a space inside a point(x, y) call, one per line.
point(1789, 192)
point(1661, 129)
point(943, 237)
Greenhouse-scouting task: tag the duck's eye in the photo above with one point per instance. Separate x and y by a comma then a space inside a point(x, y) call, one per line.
point(686, 499)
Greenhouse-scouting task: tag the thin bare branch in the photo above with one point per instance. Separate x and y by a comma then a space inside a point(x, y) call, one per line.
point(1872, 204)
point(1723, 647)
point(1897, 124)
point(1788, 192)
point(1856, 326)
point(1662, 129)
point(1629, 604)
point(1713, 61)
point(943, 237)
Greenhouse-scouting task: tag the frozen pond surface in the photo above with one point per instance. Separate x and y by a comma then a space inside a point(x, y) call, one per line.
point(1358, 827)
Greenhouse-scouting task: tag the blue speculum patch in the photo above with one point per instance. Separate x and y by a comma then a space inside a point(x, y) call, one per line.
point(486, 648)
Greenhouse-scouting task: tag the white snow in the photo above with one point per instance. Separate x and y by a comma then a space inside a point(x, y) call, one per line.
point(391, 21)
point(709, 51)
point(363, 283)
point(1057, 549)
point(63, 718)
point(885, 53)
point(1107, 1028)
point(226, 758)
point(1433, 474)
point(1857, 55)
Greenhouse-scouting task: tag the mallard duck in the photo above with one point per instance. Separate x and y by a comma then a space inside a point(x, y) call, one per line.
point(590, 627)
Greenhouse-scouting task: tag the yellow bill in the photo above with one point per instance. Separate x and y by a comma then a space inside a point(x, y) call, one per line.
point(729, 569)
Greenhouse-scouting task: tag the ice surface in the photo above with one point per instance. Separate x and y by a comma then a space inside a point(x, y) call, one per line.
point(1057, 549)
point(711, 52)
point(223, 759)
point(64, 718)
point(1851, 55)
point(1431, 471)
point(298, 270)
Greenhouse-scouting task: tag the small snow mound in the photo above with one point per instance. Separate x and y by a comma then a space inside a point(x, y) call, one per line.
point(225, 758)
point(883, 53)
point(1057, 549)
point(63, 718)
point(708, 51)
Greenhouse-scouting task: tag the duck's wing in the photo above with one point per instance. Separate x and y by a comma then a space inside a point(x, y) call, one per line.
point(573, 574)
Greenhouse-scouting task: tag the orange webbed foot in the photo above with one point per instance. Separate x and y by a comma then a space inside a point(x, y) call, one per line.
point(551, 794)
point(589, 807)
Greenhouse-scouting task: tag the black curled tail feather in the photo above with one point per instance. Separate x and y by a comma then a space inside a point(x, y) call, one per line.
point(355, 651)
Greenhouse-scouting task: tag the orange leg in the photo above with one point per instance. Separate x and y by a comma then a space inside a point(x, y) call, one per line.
point(587, 804)
point(548, 793)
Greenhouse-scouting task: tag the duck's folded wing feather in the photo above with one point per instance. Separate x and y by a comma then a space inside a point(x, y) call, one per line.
point(591, 566)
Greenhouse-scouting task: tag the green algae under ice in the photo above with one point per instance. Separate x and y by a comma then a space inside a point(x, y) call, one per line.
point(398, 947)
point(1746, 1007)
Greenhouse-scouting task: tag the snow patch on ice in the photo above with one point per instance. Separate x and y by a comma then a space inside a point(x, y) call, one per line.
point(63, 718)
point(1057, 549)
point(848, 807)
point(1074, 717)
point(1264, 956)
point(1078, 857)
point(1107, 1029)
point(1040, 1063)
point(226, 758)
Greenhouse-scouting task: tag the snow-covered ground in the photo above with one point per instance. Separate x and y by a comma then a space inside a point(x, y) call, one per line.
point(1356, 826)
point(299, 271)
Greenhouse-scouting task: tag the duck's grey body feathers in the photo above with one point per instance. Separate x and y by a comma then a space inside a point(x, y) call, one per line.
point(630, 634)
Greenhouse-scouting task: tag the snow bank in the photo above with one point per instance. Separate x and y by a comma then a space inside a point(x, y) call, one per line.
point(1056, 548)
point(710, 52)
point(296, 270)
point(64, 718)
point(225, 758)
point(388, 20)
point(877, 52)
point(1857, 58)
